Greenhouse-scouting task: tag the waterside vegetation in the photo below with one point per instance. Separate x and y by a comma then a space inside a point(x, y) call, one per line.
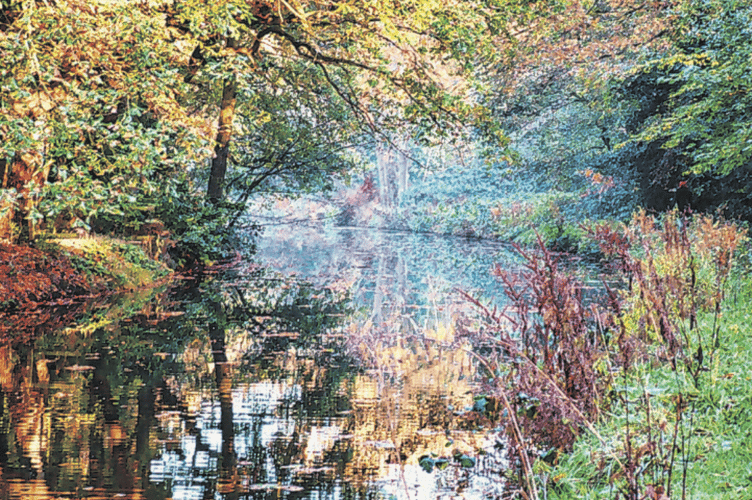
point(620, 131)
point(59, 278)
point(637, 394)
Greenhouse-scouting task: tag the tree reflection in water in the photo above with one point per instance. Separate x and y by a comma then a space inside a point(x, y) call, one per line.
point(241, 386)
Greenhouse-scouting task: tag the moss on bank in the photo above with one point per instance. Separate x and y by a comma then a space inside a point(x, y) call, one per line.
point(112, 263)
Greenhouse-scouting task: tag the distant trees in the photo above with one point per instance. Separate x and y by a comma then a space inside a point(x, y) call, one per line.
point(393, 168)
point(358, 60)
point(663, 90)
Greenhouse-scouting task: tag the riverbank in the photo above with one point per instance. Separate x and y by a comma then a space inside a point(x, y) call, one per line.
point(58, 273)
point(677, 431)
point(560, 220)
point(648, 395)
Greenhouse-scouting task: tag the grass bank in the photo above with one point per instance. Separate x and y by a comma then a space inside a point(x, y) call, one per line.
point(646, 394)
point(110, 264)
point(672, 431)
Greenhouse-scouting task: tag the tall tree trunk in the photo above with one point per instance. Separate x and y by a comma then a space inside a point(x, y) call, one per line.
point(5, 206)
point(403, 170)
point(215, 191)
point(385, 155)
point(393, 169)
point(25, 169)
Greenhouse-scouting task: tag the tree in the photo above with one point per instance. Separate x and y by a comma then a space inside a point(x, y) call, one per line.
point(105, 101)
point(555, 99)
point(709, 112)
point(689, 114)
point(107, 105)
point(293, 140)
point(91, 120)
point(373, 57)
point(392, 165)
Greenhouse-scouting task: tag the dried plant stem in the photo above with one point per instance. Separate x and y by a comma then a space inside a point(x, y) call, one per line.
point(679, 411)
point(561, 394)
point(528, 470)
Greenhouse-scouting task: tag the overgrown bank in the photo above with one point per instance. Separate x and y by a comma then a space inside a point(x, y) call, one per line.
point(645, 395)
point(39, 284)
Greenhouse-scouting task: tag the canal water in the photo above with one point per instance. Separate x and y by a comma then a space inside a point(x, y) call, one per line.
point(329, 367)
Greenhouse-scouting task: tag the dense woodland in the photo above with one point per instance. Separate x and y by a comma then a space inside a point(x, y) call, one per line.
point(616, 129)
point(121, 116)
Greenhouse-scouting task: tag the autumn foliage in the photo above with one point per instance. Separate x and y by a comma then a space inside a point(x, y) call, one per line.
point(677, 269)
point(39, 291)
point(558, 351)
point(31, 277)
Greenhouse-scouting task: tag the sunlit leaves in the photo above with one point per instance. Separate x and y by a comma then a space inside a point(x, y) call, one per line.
point(95, 89)
point(709, 115)
point(115, 90)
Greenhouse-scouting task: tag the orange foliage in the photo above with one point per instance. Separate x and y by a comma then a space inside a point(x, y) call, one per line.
point(589, 39)
point(29, 277)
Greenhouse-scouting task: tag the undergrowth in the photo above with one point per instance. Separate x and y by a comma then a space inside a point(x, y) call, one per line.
point(641, 393)
point(108, 263)
point(520, 203)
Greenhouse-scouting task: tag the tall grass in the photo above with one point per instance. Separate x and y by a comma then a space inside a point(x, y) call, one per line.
point(616, 397)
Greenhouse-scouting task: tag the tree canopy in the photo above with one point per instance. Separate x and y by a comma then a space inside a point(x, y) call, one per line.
point(92, 118)
point(104, 101)
point(709, 112)
point(115, 112)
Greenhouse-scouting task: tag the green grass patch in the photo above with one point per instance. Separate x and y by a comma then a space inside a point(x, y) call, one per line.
point(110, 263)
point(668, 431)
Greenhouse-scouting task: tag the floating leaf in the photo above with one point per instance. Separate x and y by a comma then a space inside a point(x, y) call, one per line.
point(466, 461)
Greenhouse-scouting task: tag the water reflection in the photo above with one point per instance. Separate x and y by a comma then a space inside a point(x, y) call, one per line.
point(386, 270)
point(251, 384)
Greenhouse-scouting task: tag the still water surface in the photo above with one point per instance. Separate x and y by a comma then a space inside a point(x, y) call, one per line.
point(326, 370)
